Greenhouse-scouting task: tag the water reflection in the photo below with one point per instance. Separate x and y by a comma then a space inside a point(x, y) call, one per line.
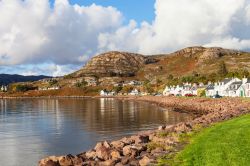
point(34, 128)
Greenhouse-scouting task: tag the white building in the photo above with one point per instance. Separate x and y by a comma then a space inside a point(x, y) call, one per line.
point(246, 86)
point(210, 90)
point(4, 88)
point(134, 92)
point(222, 88)
point(103, 93)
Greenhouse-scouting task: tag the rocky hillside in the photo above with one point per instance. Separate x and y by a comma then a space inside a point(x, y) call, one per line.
point(183, 62)
point(114, 63)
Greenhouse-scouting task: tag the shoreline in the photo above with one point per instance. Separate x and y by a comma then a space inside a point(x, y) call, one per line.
point(146, 147)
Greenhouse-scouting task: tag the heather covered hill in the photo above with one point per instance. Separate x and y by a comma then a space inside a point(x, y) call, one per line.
point(188, 61)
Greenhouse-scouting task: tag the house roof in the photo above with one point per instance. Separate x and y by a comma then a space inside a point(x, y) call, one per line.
point(210, 87)
point(226, 80)
point(233, 87)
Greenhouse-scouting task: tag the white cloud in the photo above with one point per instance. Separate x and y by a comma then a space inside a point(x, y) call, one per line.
point(185, 23)
point(32, 32)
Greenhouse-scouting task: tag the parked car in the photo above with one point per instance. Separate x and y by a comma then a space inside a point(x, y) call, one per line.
point(189, 95)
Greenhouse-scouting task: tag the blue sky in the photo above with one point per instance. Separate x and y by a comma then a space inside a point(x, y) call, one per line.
point(139, 10)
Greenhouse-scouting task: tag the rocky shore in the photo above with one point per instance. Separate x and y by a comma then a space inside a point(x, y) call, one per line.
point(144, 149)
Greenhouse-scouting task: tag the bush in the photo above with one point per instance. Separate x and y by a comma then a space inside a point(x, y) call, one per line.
point(23, 88)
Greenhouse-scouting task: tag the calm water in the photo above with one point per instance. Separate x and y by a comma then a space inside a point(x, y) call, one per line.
point(31, 129)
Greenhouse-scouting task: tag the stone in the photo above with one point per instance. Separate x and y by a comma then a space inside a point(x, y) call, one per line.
point(78, 161)
point(125, 160)
point(130, 151)
point(50, 163)
point(145, 161)
point(115, 155)
point(119, 164)
point(103, 153)
point(140, 139)
point(118, 144)
point(107, 163)
point(128, 141)
point(66, 160)
point(90, 154)
point(106, 144)
point(134, 163)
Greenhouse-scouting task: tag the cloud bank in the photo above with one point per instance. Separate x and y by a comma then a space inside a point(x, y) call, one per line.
point(33, 32)
point(183, 23)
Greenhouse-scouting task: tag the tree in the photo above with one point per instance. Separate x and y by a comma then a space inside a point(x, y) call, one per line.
point(222, 69)
point(117, 89)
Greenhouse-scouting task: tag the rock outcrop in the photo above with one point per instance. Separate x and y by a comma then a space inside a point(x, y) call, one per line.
point(113, 64)
point(180, 63)
point(215, 53)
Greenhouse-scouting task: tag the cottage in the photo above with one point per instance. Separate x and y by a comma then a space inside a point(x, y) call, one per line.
point(4, 88)
point(221, 87)
point(187, 89)
point(134, 92)
point(103, 93)
point(234, 89)
point(246, 83)
point(210, 90)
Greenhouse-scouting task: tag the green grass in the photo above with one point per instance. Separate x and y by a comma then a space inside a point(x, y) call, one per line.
point(224, 144)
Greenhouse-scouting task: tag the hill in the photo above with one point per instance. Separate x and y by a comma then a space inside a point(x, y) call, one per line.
point(8, 78)
point(200, 61)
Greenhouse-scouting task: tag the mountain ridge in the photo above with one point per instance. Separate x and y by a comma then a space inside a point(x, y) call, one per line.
point(203, 60)
point(6, 79)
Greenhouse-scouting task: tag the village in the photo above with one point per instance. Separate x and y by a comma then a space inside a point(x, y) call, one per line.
point(229, 87)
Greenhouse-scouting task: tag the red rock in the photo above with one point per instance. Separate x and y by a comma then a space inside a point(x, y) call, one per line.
point(145, 161)
point(103, 153)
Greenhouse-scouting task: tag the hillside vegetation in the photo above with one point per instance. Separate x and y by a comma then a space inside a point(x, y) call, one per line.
point(199, 62)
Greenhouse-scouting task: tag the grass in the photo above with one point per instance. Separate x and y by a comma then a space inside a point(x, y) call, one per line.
point(224, 144)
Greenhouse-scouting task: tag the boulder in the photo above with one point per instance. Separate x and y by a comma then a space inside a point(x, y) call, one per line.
point(144, 161)
point(115, 154)
point(49, 163)
point(107, 163)
point(103, 153)
point(66, 160)
point(90, 154)
point(118, 144)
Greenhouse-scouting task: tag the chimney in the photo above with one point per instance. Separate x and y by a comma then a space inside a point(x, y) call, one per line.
point(244, 80)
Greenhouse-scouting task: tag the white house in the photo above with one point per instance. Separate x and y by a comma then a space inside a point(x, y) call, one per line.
point(103, 93)
point(134, 92)
point(210, 90)
point(222, 88)
point(187, 89)
point(246, 85)
point(4, 88)
point(235, 89)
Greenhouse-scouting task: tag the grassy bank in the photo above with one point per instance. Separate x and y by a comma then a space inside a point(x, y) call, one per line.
point(226, 143)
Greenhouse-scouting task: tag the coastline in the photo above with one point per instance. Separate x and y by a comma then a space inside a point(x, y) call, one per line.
point(146, 147)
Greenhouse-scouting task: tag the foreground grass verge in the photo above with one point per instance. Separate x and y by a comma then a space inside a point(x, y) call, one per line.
point(223, 144)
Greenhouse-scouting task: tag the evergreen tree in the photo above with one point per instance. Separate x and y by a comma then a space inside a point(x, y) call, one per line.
point(222, 69)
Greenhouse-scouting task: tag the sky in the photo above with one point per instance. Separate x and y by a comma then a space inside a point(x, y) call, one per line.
point(58, 37)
